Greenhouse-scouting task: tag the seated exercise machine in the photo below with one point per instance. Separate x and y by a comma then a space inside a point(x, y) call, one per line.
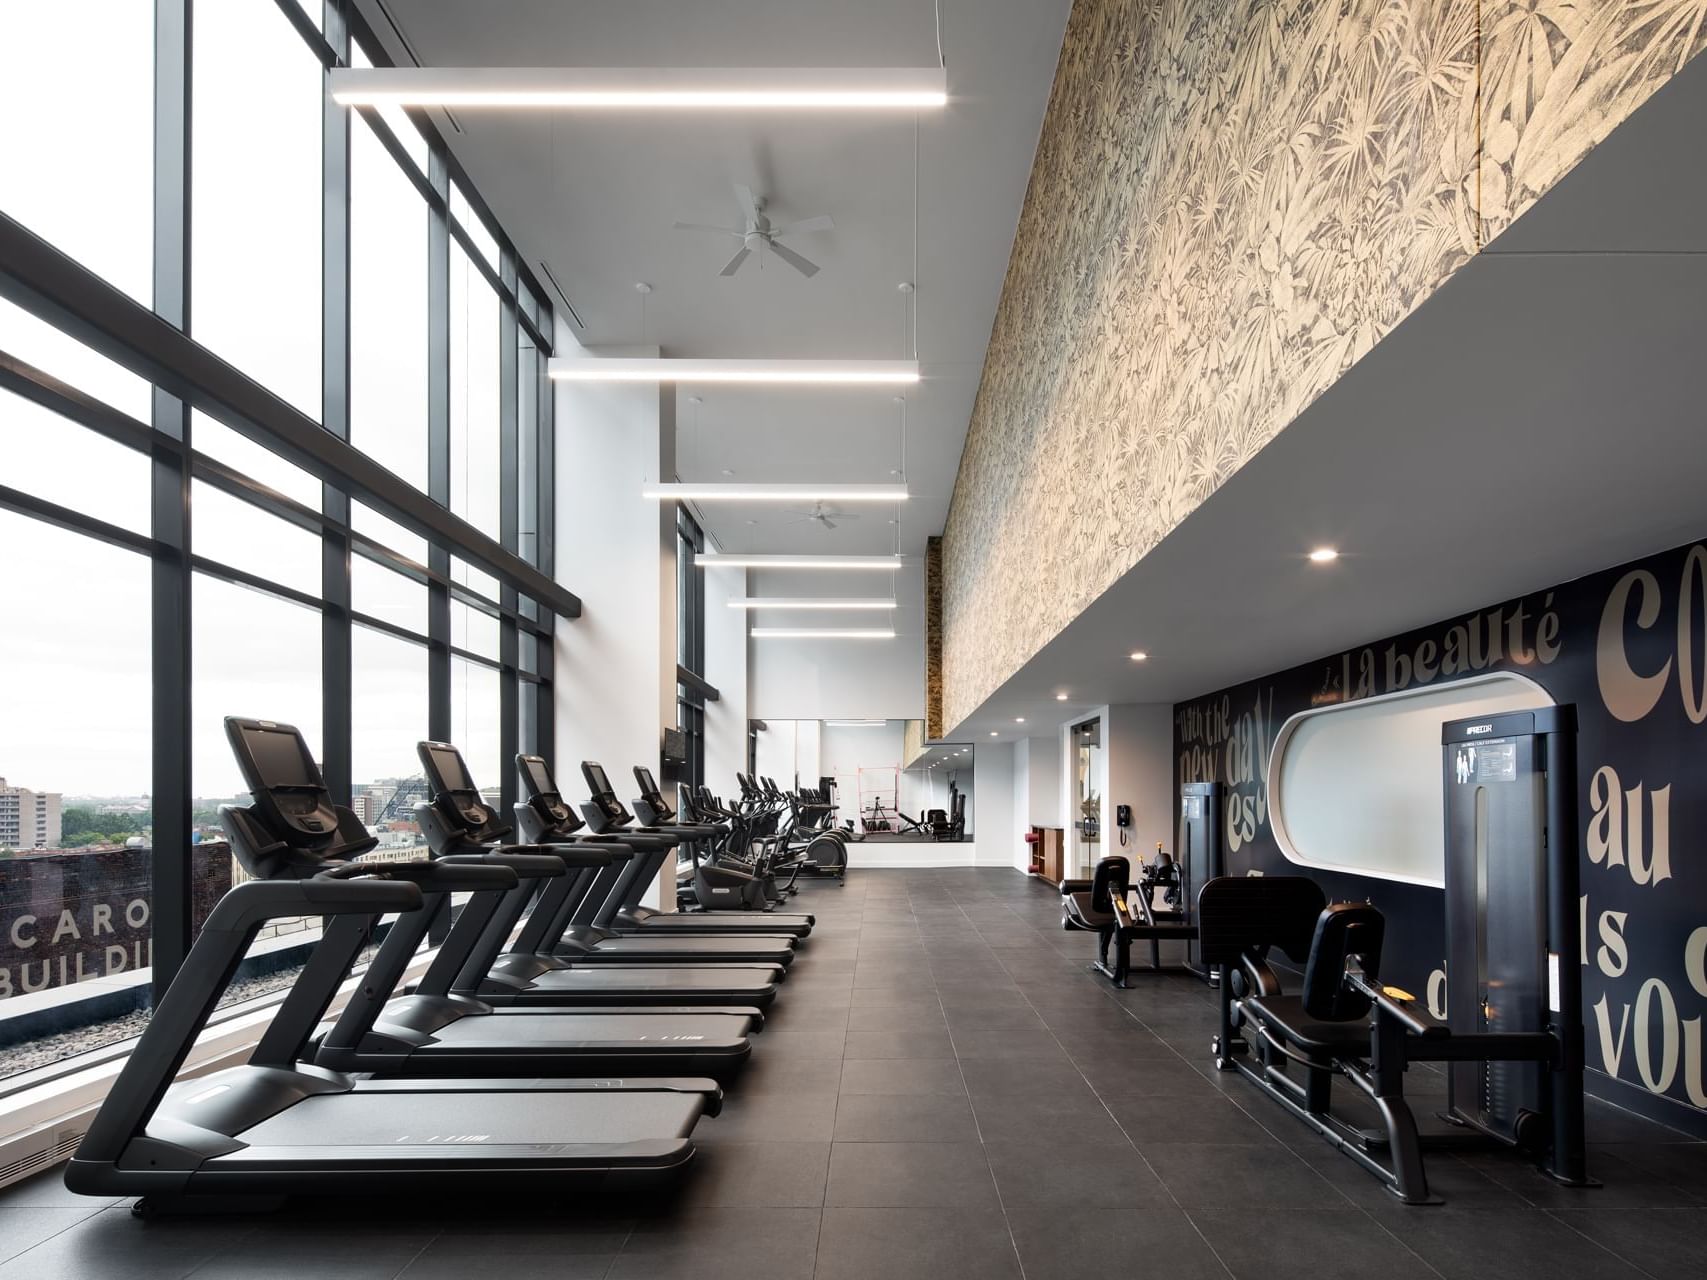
point(1513, 1035)
point(277, 1125)
point(1108, 907)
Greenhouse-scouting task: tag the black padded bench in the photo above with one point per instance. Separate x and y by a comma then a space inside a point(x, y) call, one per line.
point(1100, 906)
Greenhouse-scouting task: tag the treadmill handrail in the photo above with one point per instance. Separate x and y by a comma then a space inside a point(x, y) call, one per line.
point(189, 1002)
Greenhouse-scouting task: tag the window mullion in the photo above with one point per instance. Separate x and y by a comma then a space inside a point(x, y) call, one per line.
point(170, 505)
point(336, 677)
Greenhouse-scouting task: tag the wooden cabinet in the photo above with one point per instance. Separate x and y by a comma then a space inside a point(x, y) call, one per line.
point(1048, 850)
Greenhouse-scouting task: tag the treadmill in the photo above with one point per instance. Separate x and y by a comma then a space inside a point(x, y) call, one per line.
point(434, 1031)
point(579, 938)
point(478, 962)
point(547, 816)
point(276, 1126)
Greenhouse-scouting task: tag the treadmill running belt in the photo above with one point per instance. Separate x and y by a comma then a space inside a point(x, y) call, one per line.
point(477, 1119)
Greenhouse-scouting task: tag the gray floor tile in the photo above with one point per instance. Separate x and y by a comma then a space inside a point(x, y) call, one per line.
point(26, 1226)
point(994, 1077)
point(1528, 1244)
point(1663, 1242)
point(716, 1244)
point(915, 1244)
point(926, 1175)
point(1206, 1176)
point(1213, 1118)
point(761, 1175)
point(917, 1018)
point(1059, 1243)
point(934, 1076)
point(1072, 1120)
point(877, 1117)
point(773, 1117)
point(899, 1044)
point(1307, 1244)
point(799, 1044)
point(1066, 1175)
point(788, 1075)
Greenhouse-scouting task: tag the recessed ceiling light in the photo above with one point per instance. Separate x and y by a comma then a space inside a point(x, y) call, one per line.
point(1138, 655)
point(1324, 555)
point(1060, 697)
point(727, 471)
point(994, 734)
point(1019, 719)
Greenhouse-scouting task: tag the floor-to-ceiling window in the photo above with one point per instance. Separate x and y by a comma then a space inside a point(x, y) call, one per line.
point(196, 528)
point(691, 688)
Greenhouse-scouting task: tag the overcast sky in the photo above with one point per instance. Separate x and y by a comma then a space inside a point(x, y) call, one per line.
point(75, 708)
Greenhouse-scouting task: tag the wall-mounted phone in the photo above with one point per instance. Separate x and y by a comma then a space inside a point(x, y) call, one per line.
point(1123, 820)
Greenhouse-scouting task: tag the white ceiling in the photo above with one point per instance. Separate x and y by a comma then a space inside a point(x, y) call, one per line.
point(1540, 418)
point(595, 194)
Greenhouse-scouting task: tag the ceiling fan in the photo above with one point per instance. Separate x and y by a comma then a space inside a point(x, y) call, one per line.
point(759, 233)
point(821, 514)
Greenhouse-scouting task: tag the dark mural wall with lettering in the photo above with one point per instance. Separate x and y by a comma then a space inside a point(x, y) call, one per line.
point(69, 917)
point(1629, 647)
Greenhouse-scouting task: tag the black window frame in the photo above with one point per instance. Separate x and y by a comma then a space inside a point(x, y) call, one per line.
point(151, 341)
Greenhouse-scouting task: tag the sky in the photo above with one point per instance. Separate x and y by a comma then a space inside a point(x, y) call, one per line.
point(75, 706)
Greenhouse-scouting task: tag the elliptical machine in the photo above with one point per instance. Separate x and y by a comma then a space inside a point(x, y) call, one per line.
point(717, 885)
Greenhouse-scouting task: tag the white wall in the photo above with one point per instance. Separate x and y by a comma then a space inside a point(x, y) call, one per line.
point(725, 667)
point(1138, 746)
point(842, 679)
point(790, 749)
point(612, 439)
point(1037, 791)
point(990, 805)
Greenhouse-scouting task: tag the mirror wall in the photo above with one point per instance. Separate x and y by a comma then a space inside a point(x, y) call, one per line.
point(886, 783)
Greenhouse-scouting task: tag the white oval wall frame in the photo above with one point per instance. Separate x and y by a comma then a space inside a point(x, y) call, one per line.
point(1420, 858)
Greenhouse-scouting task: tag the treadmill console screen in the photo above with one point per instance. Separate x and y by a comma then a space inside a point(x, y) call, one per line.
point(598, 781)
point(281, 759)
point(452, 774)
point(537, 775)
point(648, 784)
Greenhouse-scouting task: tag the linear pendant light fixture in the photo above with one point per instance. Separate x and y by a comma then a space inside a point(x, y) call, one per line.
point(736, 560)
point(668, 369)
point(644, 88)
point(803, 633)
point(735, 492)
point(811, 602)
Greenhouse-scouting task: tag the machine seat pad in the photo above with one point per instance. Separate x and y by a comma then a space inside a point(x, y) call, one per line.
point(1084, 915)
point(1286, 1017)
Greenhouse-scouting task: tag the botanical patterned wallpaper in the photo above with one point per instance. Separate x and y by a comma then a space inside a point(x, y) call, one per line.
point(1232, 201)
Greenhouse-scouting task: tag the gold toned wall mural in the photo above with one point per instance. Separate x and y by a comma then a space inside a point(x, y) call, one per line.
point(1233, 201)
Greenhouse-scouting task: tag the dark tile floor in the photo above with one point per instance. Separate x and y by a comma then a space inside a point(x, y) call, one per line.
point(943, 1089)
